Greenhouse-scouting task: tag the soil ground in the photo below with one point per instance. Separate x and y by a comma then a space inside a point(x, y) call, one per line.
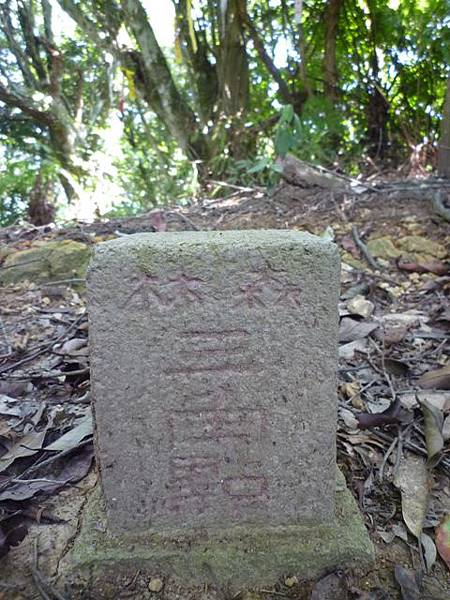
point(405, 295)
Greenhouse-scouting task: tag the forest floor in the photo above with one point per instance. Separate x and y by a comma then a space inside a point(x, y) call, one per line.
point(394, 390)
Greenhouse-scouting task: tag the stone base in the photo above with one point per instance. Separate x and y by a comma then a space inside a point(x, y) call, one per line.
point(237, 559)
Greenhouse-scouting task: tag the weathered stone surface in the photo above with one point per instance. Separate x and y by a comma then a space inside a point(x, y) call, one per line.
point(213, 362)
point(235, 559)
point(45, 262)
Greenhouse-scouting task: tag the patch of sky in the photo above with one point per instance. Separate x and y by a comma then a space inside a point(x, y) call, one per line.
point(283, 49)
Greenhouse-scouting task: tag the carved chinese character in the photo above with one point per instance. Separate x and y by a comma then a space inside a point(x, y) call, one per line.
point(268, 288)
point(176, 289)
point(289, 295)
point(183, 287)
point(260, 291)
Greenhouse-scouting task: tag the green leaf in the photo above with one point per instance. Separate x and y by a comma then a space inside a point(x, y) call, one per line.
point(284, 141)
point(287, 114)
point(260, 165)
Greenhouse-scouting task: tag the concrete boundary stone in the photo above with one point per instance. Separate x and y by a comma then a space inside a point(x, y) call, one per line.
point(213, 363)
point(236, 559)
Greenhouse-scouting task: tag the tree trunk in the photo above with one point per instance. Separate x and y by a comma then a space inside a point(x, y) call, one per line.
point(233, 78)
point(233, 65)
point(444, 142)
point(202, 71)
point(331, 19)
point(41, 208)
point(283, 88)
point(378, 106)
point(157, 85)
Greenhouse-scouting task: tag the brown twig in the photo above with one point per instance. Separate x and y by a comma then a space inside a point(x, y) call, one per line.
point(5, 339)
point(240, 188)
point(44, 348)
point(64, 281)
point(385, 458)
point(20, 264)
point(444, 463)
point(364, 250)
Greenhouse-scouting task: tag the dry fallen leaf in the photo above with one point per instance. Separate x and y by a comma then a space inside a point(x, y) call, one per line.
point(291, 581)
point(74, 470)
point(347, 351)
point(396, 367)
point(443, 540)
point(412, 480)
point(348, 243)
point(71, 346)
point(349, 418)
point(429, 550)
point(73, 437)
point(434, 421)
point(446, 429)
point(351, 330)
point(409, 583)
point(155, 585)
point(12, 531)
point(390, 416)
point(432, 266)
point(331, 587)
point(440, 400)
point(438, 379)
point(27, 445)
point(391, 333)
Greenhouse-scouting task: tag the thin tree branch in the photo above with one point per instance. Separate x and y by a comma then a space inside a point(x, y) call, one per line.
point(47, 12)
point(16, 50)
point(83, 22)
point(25, 104)
point(267, 60)
point(26, 19)
point(176, 114)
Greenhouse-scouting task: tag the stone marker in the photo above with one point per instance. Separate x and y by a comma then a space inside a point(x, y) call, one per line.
point(213, 370)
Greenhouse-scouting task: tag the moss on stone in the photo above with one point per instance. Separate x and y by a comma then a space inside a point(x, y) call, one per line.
point(239, 558)
point(46, 262)
point(422, 247)
point(383, 247)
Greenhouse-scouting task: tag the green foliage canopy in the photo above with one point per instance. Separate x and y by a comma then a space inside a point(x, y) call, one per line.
point(342, 83)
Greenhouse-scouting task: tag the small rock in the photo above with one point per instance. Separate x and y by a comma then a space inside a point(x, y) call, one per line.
point(155, 584)
point(291, 581)
point(422, 246)
point(350, 421)
point(383, 247)
point(44, 262)
point(358, 305)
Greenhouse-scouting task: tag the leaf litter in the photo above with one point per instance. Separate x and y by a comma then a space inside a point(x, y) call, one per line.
point(393, 362)
point(45, 435)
